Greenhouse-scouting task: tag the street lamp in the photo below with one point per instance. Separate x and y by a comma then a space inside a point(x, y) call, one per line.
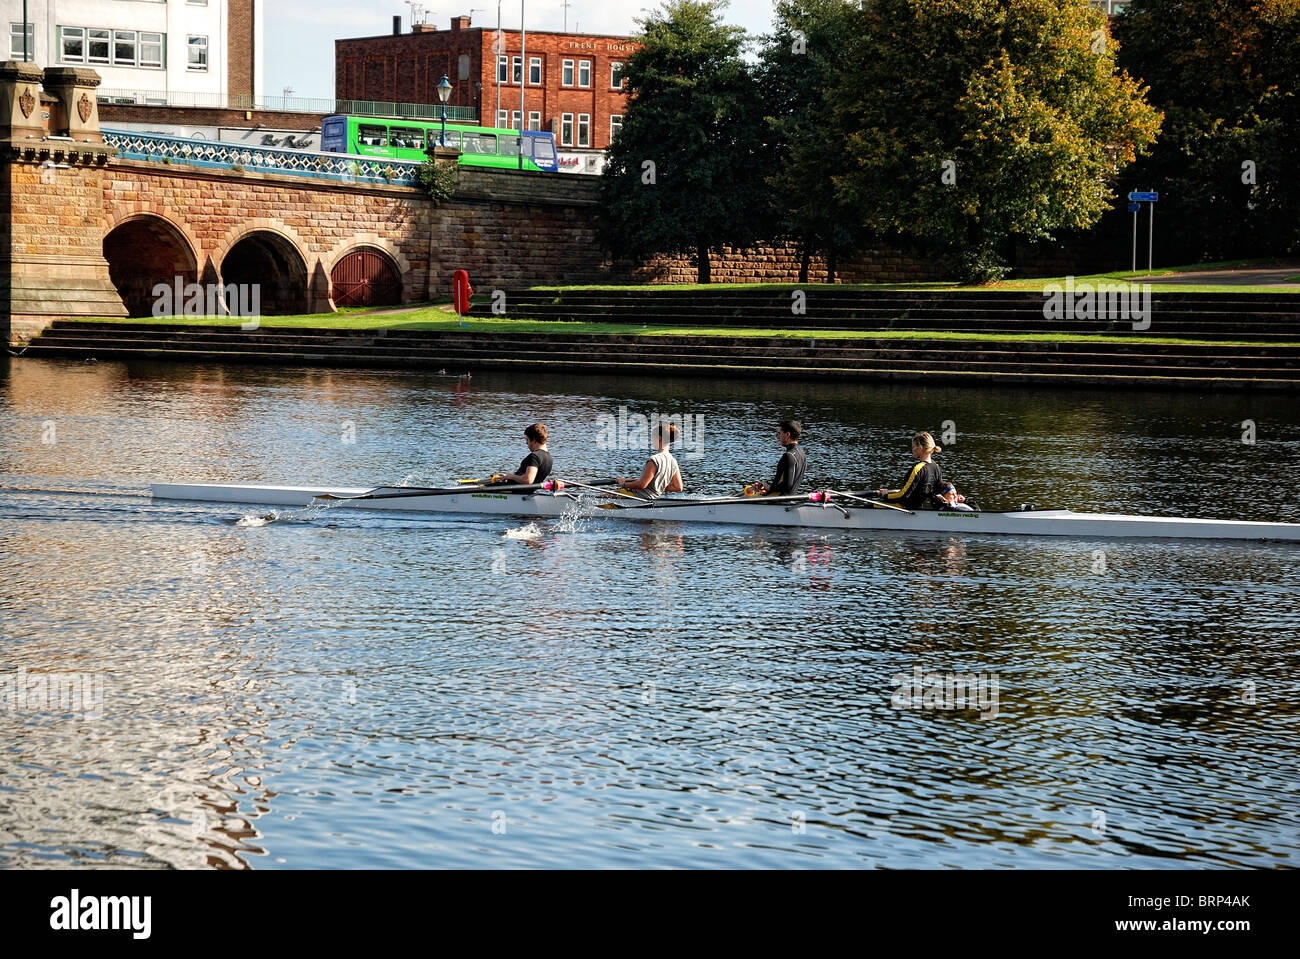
point(444, 91)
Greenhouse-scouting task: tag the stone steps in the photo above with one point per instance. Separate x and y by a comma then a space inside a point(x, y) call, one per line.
point(1144, 363)
point(1229, 316)
point(449, 347)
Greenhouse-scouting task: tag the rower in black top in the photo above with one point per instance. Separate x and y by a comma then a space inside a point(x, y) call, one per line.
point(537, 464)
point(790, 468)
point(921, 490)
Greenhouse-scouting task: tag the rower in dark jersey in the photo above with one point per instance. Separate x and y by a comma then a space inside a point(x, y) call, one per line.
point(921, 490)
point(790, 468)
point(536, 465)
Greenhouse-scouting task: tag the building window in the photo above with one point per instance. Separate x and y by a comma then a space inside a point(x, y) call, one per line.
point(534, 70)
point(615, 124)
point(198, 53)
point(566, 129)
point(514, 119)
point(503, 68)
point(534, 120)
point(519, 70)
point(73, 45)
point(151, 49)
point(503, 117)
point(584, 129)
point(584, 73)
point(566, 74)
point(462, 68)
point(616, 76)
point(97, 44)
point(124, 48)
point(16, 41)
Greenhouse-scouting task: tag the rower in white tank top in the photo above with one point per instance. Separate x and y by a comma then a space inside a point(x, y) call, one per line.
point(662, 474)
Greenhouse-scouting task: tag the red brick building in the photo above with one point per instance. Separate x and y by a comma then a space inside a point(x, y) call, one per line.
point(573, 87)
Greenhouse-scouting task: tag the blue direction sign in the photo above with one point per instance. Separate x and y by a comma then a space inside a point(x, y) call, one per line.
point(1144, 197)
point(1134, 207)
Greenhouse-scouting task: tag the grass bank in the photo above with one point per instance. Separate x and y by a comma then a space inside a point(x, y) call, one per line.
point(1018, 285)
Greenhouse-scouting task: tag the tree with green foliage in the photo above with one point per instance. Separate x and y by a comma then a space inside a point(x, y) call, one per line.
point(1227, 75)
point(685, 173)
point(971, 124)
point(799, 61)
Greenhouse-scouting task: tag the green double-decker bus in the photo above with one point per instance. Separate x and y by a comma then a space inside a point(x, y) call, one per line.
point(403, 139)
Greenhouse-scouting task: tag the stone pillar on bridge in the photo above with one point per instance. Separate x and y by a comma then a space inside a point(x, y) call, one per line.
point(437, 284)
point(52, 171)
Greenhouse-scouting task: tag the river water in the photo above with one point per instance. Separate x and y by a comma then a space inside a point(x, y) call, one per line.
point(317, 688)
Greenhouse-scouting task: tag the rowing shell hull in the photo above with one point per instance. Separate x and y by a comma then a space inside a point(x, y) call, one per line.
point(1056, 522)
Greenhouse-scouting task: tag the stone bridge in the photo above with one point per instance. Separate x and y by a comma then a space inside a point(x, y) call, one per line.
point(85, 231)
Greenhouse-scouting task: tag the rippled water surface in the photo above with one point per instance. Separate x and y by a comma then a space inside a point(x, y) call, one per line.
point(316, 688)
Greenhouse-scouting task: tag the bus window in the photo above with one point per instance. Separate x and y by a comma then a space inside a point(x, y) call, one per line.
point(543, 149)
point(485, 143)
point(407, 138)
point(509, 147)
point(452, 139)
point(369, 135)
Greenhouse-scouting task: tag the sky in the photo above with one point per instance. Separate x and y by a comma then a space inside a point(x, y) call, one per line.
point(300, 34)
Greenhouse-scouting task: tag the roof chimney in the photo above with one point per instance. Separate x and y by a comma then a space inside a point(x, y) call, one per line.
point(460, 23)
point(397, 26)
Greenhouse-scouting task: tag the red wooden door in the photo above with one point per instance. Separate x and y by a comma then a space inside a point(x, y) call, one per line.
point(366, 278)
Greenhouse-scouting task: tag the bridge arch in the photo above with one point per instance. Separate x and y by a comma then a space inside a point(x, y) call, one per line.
point(366, 275)
point(360, 242)
point(143, 250)
point(274, 261)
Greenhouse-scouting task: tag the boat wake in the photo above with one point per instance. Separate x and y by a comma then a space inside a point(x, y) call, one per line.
point(530, 531)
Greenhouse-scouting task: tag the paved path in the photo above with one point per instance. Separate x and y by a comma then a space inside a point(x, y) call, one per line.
point(1254, 276)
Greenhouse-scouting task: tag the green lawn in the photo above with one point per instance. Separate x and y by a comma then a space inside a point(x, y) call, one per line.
point(438, 318)
point(1032, 283)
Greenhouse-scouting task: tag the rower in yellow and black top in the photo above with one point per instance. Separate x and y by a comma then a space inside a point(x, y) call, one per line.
point(923, 482)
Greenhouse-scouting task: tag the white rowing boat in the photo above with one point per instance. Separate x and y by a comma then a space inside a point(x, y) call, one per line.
point(835, 513)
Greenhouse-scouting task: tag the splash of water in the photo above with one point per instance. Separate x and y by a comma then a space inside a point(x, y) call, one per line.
point(253, 520)
point(572, 520)
point(530, 531)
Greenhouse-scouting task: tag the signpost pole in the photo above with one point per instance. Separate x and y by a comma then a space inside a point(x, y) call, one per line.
point(1135, 201)
point(1151, 235)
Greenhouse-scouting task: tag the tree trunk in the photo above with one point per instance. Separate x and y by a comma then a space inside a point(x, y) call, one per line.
point(805, 261)
point(702, 263)
point(832, 260)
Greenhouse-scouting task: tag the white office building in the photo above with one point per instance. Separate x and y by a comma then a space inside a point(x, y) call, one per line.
point(176, 52)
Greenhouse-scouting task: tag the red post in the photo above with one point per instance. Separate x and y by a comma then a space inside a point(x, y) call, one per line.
point(461, 292)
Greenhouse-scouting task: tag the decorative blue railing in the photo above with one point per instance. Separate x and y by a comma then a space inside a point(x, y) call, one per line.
point(220, 154)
